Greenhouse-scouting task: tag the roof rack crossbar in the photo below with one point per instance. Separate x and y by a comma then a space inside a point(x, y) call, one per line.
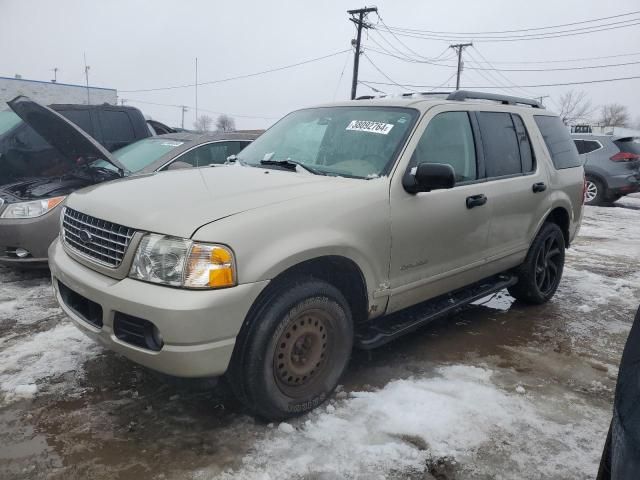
point(462, 95)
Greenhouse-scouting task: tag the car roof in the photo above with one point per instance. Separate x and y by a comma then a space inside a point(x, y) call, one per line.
point(425, 102)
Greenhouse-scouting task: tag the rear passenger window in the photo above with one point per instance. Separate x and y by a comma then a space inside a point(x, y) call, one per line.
point(81, 118)
point(449, 139)
point(590, 146)
point(559, 143)
point(501, 145)
point(117, 127)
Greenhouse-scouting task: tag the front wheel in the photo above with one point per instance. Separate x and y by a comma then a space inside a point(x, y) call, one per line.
point(540, 274)
point(296, 349)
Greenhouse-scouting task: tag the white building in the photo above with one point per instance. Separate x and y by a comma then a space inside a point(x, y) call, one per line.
point(53, 92)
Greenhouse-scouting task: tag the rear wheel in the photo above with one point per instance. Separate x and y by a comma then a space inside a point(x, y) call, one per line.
point(595, 192)
point(295, 350)
point(540, 274)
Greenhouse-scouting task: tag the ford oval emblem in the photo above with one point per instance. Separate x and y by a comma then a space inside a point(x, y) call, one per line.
point(85, 236)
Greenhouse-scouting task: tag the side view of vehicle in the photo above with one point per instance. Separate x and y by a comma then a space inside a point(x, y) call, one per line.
point(30, 207)
point(343, 225)
point(612, 166)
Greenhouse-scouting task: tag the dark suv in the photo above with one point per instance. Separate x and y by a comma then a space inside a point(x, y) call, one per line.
point(24, 153)
point(612, 166)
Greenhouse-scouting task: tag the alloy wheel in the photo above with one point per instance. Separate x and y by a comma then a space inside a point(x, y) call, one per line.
point(548, 265)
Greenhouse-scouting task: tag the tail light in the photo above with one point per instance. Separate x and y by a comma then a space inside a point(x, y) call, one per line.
point(624, 157)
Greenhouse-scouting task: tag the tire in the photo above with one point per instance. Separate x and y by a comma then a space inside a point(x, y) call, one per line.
point(595, 193)
point(295, 348)
point(540, 274)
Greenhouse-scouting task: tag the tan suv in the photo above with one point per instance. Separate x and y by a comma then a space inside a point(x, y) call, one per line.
point(314, 239)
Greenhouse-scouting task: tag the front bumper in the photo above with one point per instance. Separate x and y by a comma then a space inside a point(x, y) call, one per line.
point(32, 234)
point(199, 328)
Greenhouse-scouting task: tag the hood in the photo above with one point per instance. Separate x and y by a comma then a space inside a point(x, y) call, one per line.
point(71, 141)
point(181, 201)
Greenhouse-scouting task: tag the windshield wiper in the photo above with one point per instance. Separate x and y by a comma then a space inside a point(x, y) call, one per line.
point(292, 165)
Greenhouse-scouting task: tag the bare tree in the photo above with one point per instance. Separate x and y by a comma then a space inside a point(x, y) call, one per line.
point(614, 115)
point(575, 107)
point(225, 123)
point(203, 123)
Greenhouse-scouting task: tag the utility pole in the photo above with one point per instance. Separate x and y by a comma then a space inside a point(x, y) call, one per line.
point(359, 22)
point(86, 76)
point(184, 109)
point(123, 101)
point(459, 47)
point(55, 74)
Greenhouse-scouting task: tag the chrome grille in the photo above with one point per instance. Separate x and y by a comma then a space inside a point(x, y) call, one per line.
point(102, 241)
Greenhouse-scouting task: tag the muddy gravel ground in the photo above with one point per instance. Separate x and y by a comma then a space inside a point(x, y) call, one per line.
point(499, 390)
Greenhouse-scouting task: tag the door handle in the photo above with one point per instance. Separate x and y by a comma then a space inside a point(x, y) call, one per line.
point(539, 187)
point(476, 200)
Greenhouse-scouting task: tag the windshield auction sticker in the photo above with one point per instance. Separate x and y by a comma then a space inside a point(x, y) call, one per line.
point(367, 126)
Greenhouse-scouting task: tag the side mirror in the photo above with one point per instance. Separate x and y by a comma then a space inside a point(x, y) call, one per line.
point(430, 176)
point(178, 165)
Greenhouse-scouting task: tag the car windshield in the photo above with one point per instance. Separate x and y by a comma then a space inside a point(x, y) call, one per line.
point(8, 120)
point(141, 154)
point(360, 142)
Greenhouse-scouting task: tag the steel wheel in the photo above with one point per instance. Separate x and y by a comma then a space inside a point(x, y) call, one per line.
point(301, 352)
point(591, 192)
point(548, 265)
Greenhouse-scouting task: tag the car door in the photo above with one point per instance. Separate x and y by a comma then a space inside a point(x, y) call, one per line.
point(439, 238)
point(517, 186)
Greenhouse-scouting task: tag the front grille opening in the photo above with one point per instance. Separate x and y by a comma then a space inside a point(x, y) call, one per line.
point(137, 331)
point(103, 241)
point(86, 309)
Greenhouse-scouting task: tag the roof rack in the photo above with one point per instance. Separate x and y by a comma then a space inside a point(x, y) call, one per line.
point(405, 95)
point(462, 95)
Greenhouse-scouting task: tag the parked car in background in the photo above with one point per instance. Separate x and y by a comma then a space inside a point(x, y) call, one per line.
point(25, 153)
point(334, 220)
point(30, 208)
point(612, 166)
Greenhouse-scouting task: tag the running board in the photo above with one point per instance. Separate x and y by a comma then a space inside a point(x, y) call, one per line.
point(389, 327)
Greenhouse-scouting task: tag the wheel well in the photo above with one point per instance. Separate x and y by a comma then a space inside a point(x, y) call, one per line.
point(598, 177)
point(560, 217)
point(338, 271)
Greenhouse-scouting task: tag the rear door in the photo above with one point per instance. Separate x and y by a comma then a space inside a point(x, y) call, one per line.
point(517, 185)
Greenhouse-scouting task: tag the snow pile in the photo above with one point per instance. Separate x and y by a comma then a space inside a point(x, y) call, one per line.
point(26, 363)
point(459, 414)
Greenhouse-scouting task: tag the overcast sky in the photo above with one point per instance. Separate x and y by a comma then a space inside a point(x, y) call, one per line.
point(134, 44)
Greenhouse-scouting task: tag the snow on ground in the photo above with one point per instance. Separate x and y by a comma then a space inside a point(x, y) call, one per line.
point(38, 344)
point(415, 422)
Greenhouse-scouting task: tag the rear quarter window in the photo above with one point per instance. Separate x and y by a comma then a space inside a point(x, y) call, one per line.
point(559, 142)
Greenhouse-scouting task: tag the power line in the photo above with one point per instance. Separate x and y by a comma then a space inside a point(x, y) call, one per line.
point(583, 59)
point(382, 73)
point(184, 107)
point(517, 38)
point(238, 77)
point(584, 82)
point(525, 29)
point(507, 80)
point(492, 68)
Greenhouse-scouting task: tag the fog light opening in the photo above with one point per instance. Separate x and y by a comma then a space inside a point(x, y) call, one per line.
point(157, 337)
point(21, 253)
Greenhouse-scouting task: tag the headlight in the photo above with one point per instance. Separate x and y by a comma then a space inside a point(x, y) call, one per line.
point(32, 209)
point(179, 262)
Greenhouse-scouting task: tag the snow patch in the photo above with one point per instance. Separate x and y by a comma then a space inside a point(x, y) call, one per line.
point(29, 361)
point(414, 421)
